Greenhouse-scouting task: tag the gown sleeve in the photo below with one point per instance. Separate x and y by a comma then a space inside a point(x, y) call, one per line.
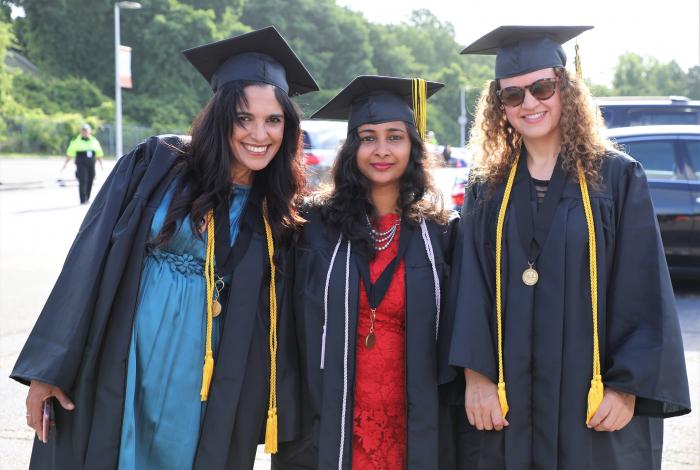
point(54, 349)
point(470, 299)
point(644, 348)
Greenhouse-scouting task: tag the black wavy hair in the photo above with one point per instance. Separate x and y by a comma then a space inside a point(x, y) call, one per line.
point(347, 202)
point(204, 168)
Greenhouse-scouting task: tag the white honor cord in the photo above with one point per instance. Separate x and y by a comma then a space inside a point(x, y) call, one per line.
point(436, 279)
point(325, 301)
point(345, 359)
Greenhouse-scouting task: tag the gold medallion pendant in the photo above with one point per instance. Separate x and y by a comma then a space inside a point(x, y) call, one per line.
point(370, 340)
point(215, 308)
point(530, 276)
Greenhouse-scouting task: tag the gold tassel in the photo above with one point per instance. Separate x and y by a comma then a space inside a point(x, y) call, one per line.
point(271, 432)
point(208, 369)
point(420, 103)
point(502, 398)
point(595, 396)
point(207, 373)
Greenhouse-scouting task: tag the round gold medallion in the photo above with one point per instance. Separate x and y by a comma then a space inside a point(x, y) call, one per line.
point(215, 308)
point(530, 277)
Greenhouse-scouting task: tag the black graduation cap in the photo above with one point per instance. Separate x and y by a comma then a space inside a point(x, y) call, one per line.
point(524, 49)
point(259, 56)
point(375, 99)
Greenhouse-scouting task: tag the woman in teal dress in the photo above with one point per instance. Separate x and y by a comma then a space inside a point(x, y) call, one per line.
point(165, 341)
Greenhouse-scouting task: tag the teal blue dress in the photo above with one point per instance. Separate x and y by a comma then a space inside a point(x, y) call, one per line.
point(162, 408)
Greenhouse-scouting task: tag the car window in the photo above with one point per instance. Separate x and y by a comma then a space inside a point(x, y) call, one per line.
point(648, 117)
point(656, 156)
point(694, 155)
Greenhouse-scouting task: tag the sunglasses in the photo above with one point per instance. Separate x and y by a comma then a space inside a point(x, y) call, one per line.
point(542, 89)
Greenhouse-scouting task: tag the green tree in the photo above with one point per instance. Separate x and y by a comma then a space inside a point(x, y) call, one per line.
point(332, 41)
point(639, 76)
point(694, 83)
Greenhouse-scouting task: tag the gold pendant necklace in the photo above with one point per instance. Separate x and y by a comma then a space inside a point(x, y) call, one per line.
point(370, 339)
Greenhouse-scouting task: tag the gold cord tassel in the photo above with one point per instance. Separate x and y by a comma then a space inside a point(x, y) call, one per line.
point(502, 400)
point(595, 396)
point(208, 370)
point(595, 393)
point(499, 313)
point(577, 63)
point(271, 425)
point(420, 104)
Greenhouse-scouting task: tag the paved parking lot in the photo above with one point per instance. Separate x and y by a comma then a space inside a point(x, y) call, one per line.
point(39, 219)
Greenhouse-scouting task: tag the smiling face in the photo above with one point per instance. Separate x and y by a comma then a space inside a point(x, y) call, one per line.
point(258, 135)
point(384, 152)
point(535, 120)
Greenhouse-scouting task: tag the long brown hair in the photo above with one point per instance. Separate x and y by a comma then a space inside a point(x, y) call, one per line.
point(494, 143)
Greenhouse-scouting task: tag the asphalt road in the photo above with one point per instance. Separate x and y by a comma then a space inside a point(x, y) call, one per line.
point(38, 220)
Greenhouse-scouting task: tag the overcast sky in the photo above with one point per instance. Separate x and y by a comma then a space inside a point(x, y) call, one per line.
point(667, 30)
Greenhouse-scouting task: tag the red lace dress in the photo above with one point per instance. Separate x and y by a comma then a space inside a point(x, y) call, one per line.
point(379, 426)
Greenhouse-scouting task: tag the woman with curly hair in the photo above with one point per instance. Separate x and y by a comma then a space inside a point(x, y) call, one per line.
point(371, 270)
point(166, 340)
point(565, 321)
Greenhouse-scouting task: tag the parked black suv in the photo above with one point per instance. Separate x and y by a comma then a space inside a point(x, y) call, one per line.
point(626, 111)
point(670, 156)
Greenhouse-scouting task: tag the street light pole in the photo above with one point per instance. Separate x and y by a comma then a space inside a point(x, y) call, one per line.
point(117, 86)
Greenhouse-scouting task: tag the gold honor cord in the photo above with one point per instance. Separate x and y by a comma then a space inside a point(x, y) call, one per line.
point(499, 308)
point(208, 370)
point(271, 427)
point(420, 99)
point(595, 393)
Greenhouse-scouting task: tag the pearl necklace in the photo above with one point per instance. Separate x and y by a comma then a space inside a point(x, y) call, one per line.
point(382, 239)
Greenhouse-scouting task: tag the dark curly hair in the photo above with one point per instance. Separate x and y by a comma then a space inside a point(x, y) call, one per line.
point(204, 169)
point(348, 200)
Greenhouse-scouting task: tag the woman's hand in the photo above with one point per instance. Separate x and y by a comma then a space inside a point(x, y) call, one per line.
point(615, 411)
point(481, 402)
point(38, 393)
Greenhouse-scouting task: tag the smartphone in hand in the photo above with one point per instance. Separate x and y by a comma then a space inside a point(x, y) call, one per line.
point(48, 420)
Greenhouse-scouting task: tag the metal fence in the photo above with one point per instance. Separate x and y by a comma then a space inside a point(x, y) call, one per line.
point(44, 136)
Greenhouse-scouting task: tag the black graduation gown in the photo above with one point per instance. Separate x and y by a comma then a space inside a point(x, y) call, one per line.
point(322, 406)
point(81, 339)
point(547, 332)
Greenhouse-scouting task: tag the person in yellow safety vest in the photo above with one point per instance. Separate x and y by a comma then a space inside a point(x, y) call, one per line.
point(85, 148)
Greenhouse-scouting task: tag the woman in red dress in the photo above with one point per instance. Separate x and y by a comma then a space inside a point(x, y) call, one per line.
point(370, 271)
